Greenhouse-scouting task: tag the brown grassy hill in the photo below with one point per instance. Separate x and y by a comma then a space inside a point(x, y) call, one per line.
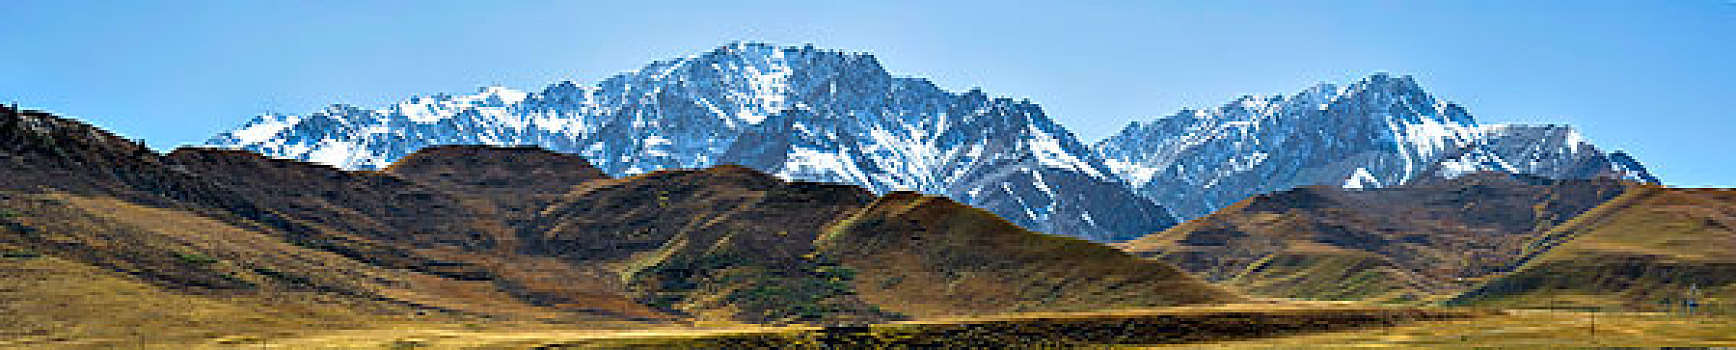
point(47, 155)
point(40, 152)
point(354, 205)
point(198, 255)
point(388, 221)
point(517, 181)
point(1407, 242)
point(1653, 249)
point(46, 151)
point(930, 256)
point(731, 242)
point(277, 239)
point(721, 243)
point(462, 234)
point(612, 219)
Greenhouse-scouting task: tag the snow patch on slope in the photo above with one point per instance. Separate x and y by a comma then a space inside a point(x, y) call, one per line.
point(264, 128)
point(1361, 179)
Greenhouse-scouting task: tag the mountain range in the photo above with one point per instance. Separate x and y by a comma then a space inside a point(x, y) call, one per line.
point(1376, 132)
point(96, 230)
point(800, 113)
point(756, 196)
point(809, 114)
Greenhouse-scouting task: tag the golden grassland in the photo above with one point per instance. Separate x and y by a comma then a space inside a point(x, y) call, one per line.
point(1249, 326)
point(200, 322)
point(1521, 329)
point(1140, 326)
point(74, 305)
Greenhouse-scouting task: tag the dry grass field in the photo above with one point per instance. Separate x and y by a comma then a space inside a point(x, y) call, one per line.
point(1024, 330)
point(1521, 329)
point(1267, 327)
point(1242, 326)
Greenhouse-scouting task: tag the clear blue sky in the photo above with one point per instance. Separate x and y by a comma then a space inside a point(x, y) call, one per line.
point(1655, 78)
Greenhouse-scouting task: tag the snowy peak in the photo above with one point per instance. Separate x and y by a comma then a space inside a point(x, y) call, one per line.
point(1382, 83)
point(339, 134)
point(439, 107)
point(1383, 113)
point(1379, 131)
point(259, 130)
point(1382, 95)
point(741, 83)
point(1555, 151)
point(1626, 167)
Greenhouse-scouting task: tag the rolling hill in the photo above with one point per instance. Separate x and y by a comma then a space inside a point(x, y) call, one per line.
point(207, 243)
point(1652, 249)
point(1483, 239)
point(1408, 242)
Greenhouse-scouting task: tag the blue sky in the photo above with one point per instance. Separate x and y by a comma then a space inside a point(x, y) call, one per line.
point(1653, 78)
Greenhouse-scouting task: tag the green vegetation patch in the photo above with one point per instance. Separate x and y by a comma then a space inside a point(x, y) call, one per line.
point(810, 289)
point(1322, 277)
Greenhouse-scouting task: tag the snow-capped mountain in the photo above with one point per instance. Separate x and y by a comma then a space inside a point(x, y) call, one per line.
point(354, 138)
point(1379, 131)
point(808, 114)
point(798, 112)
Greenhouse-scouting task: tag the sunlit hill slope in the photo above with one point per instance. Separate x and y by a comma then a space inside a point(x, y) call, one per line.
point(107, 241)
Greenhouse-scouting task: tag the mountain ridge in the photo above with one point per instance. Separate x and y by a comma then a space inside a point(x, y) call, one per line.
point(821, 115)
point(520, 234)
point(1378, 131)
point(797, 112)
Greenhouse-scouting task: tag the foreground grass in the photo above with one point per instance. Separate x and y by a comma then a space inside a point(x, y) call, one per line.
point(1238, 326)
point(1251, 326)
point(1041, 330)
point(1523, 329)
